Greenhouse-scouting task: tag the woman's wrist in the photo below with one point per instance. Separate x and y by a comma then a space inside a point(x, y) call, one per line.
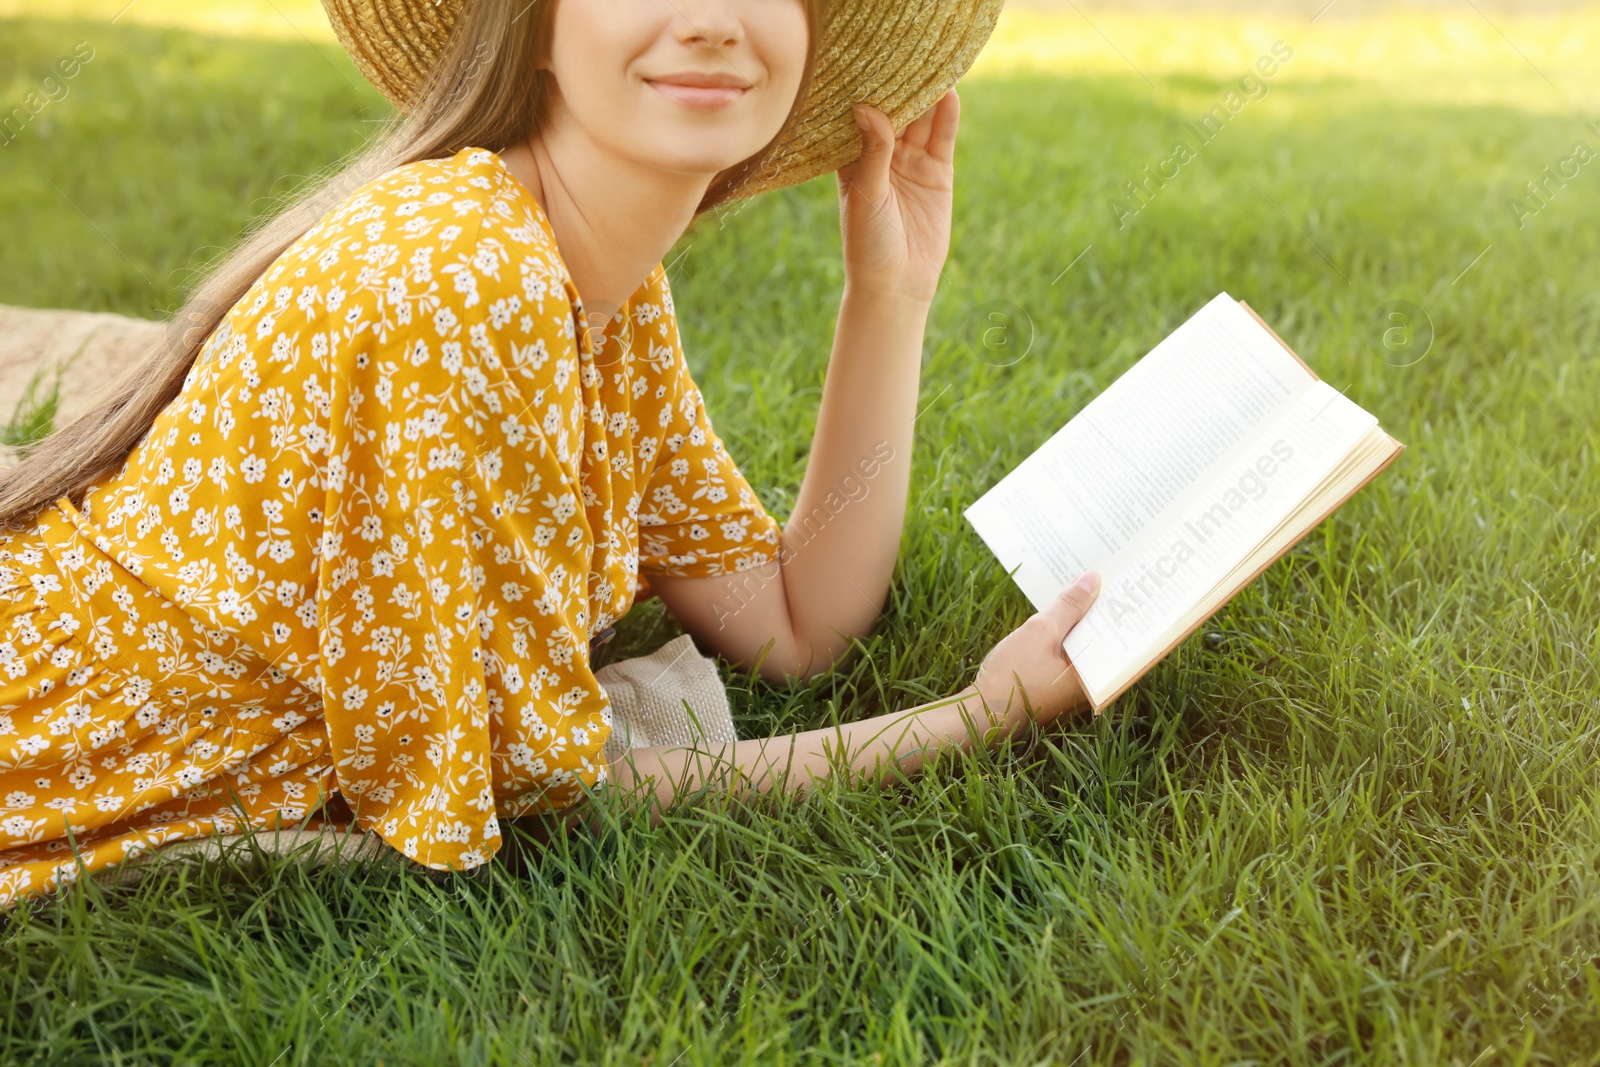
point(1011, 706)
point(970, 715)
point(909, 301)
point(1003, 710)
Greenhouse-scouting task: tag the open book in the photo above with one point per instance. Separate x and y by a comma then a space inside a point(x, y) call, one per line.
point(1196, 470)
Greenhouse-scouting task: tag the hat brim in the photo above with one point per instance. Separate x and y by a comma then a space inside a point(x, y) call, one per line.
point(900, 56)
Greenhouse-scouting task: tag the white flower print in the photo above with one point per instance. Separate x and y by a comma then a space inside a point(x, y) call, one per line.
point(393, 425)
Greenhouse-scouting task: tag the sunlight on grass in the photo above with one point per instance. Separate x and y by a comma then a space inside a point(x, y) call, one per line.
point(1452, 57)
point(244, 18)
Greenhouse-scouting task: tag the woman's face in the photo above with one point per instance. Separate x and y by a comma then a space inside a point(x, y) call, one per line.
point(689, 86)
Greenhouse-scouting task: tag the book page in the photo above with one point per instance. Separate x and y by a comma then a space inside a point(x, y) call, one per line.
point(1151, 585)
point(1099, 484)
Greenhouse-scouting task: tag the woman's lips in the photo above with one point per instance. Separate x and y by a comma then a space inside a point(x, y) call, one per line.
point(699, 97)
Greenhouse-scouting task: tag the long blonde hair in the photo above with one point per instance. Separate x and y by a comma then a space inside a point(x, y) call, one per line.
point(485, 91)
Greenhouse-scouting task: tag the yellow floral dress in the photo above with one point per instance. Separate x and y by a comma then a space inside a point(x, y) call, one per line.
point(360, 557)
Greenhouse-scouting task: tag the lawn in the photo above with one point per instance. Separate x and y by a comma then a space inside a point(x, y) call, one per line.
point(1356, 820)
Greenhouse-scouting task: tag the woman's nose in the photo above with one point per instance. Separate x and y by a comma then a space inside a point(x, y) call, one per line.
point(710, 22)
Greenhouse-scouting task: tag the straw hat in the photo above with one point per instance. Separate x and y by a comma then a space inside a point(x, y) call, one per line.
point(900, 56)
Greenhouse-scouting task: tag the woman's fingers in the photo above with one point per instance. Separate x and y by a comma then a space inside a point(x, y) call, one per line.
point(1073, 603)
point(941, 141)
point(870, 170)
point(934, 131)
point(916, 135)
point(1030, 668)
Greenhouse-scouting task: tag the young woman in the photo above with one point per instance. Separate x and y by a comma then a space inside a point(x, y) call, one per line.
point(338, 549)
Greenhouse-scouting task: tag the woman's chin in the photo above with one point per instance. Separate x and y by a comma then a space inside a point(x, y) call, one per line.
point(699, 164)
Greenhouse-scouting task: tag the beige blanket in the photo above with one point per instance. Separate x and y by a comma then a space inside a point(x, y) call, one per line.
point(83, 351)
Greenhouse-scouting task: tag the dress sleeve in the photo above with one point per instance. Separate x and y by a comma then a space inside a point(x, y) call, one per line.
point(698, 515)
point(455, 666)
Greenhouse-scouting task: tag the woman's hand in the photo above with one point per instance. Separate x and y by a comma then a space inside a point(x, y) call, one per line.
point(1031, 661)
point(895, 202)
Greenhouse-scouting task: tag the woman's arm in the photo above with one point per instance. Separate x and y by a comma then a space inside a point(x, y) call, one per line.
point(798, 615)
point(841, 540)
point(1026, 678)
point(875, 747)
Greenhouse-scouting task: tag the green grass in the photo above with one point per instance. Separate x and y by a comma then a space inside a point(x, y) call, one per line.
point(1359, 822)
point(35, 415)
